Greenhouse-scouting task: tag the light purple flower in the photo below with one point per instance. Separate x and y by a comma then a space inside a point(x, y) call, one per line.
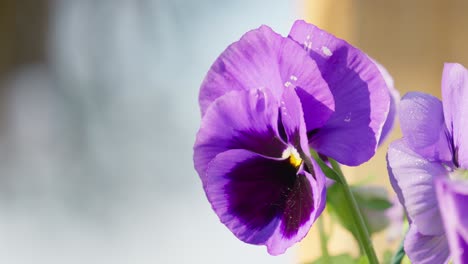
point(433, 146)
point(452, 196)
point(264, 99)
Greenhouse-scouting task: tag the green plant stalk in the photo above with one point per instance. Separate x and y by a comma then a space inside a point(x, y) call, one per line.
point(362, 233)
point(399, 254)
point(323, 241)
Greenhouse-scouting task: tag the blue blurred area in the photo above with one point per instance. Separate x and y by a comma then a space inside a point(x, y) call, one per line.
point(96, 162)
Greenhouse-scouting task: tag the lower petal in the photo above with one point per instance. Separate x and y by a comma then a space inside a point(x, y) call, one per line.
point(425, 249)
point(261, 200)
point(412, 178)
point(453, 203)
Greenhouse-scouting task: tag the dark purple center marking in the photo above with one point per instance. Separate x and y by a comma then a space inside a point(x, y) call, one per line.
point(261, 191)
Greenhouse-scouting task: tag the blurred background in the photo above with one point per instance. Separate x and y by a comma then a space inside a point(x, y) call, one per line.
point(98, 115)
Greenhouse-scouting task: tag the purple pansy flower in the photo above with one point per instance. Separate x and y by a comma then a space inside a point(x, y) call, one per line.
point(263, 101)
point(433, 146)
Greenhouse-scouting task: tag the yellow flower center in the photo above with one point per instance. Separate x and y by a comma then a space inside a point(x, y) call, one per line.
point(459, 174)
point(293, 156)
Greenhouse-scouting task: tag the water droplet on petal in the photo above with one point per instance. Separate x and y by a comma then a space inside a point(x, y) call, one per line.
point(326, 51)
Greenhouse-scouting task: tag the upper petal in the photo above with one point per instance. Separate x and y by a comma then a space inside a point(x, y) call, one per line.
point(394, 101)
point(361, 96)
point(454, 97)
point(239, 120)
point(265, 59)
point(422, 125)
point(261, 200)
point(453, 204)
point(412, 178)
point(292, 119)
point(425, 249)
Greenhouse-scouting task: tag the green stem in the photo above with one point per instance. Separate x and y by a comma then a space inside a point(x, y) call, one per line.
point(323, 241)
point(361, 228)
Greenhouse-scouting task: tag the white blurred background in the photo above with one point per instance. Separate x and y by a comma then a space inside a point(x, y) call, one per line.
point(98, 115)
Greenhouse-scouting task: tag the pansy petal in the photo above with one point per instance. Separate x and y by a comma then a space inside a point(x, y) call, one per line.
point(265, 59)
point(299, 71)
point(295, 129)
point(239, 120)
point(250, 63)
point(455, 96)
point(292, 119)
point(423, 128)
point(425, 249)
point(453, 204)
point(361, 96)
point(261, 200)
point(394, 101)
point(413, 175)
point(286, 235)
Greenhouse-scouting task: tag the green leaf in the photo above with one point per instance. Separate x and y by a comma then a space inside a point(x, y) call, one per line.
point(338, 209)
point(372, 197)
point(340, 259)
point(373, 203)
point(377, 204)
point(363, 260)
point(399, 254)
point(367, 204)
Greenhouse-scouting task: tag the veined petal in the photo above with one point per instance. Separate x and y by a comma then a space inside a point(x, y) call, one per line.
point(265, 59)
point(239, 120)
point(455, 98)
point(423, 128)
point(261, 200)
point(361, 96)
point(292, 118)
point(453, 204)
point(412, 178)
point(425, 249)
point(295, 130)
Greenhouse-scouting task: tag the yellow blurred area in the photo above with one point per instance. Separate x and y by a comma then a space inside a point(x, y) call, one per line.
point(412, 39)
